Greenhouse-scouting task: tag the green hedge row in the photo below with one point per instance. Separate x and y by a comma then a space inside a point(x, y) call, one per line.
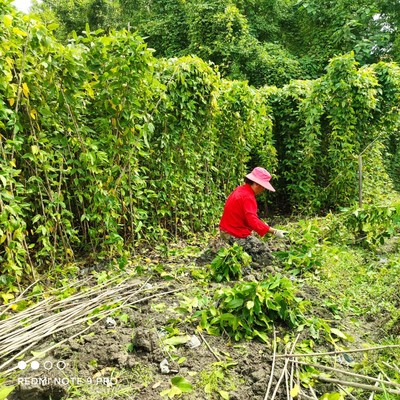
point(321, 128)
point(103, 145)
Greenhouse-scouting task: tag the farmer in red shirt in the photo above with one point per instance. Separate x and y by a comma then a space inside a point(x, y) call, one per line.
point(240, 212)
point(240, 218)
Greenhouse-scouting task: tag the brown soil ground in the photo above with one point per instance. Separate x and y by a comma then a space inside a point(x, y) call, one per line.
point(120, 359)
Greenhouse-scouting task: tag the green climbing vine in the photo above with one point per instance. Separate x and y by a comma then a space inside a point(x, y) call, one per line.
point(103, 145)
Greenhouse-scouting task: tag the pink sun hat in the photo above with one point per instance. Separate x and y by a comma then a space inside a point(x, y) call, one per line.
point(262, 177)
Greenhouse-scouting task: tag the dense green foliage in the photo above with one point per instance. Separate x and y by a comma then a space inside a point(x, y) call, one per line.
point(74, 15)
point(371, 226)
point(249, 309)
point(228, 264)
point(215, 31)
point(368, 228)
point(264, 41)
point(322, 126)
point(102, 144)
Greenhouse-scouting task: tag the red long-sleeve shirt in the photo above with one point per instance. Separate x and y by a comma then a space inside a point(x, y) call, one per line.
point(240, 218)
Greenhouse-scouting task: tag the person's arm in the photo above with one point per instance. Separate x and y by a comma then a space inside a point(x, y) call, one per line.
point(254, 223)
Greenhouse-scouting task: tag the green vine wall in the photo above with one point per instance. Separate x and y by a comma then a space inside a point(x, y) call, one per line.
point(103, 146)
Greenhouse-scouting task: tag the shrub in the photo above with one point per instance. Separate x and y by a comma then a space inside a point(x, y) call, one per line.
point(250, 309)
point(228, 263)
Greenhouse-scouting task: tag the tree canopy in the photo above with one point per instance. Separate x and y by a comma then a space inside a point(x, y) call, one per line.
point(265, 42)
point(102, 143)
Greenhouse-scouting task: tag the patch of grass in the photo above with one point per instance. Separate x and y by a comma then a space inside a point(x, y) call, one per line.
point(216, 381)
point(353, 277)
point(123, 384)
point(359, 286)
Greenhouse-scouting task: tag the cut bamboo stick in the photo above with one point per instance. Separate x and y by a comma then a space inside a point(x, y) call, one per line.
point(284, 369)
point(356, 384)
point(366, 377)
point(373, 393)
point(34, 328)
point(209, 347)
point(330, 353)
point(272, 368)
point(346, 391)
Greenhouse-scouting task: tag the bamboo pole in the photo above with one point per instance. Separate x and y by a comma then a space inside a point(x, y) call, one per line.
point(347, 392)
point(373, 393)
point(209, 347)
point(356, 384)
point(366, 377)
point(284, 369)
point(332, 353)
point(272, 368)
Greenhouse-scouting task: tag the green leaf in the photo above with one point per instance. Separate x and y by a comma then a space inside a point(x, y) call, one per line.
point(249, 305)
point(338, 333)
point(183, 384)
point(150, 127)
point(5, 391)
point(7, 297)
point(7, 19)
point(261, 335)
point(332, 396)
point(124, 318)
point(35, 149)
point(172, 392)
point(295, 391)
point(3, 180)
point(38, 354)
point(139, 226)
point(53, 26)
point(234, 303)
point(224, 394)
point(176, 340)
point(275, 284)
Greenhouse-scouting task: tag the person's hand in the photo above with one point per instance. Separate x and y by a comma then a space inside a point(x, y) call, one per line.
point(280, 234)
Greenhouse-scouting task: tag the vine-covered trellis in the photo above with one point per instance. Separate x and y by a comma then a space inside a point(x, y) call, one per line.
point(103, 145)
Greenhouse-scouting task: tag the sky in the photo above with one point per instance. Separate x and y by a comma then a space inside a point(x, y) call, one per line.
point(22, 5)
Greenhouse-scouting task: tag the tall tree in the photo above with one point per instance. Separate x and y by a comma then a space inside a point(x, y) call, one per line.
point(263, 41)
point(73, 15)
point(321, 29)
point(217, 31)
point(162, 22)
